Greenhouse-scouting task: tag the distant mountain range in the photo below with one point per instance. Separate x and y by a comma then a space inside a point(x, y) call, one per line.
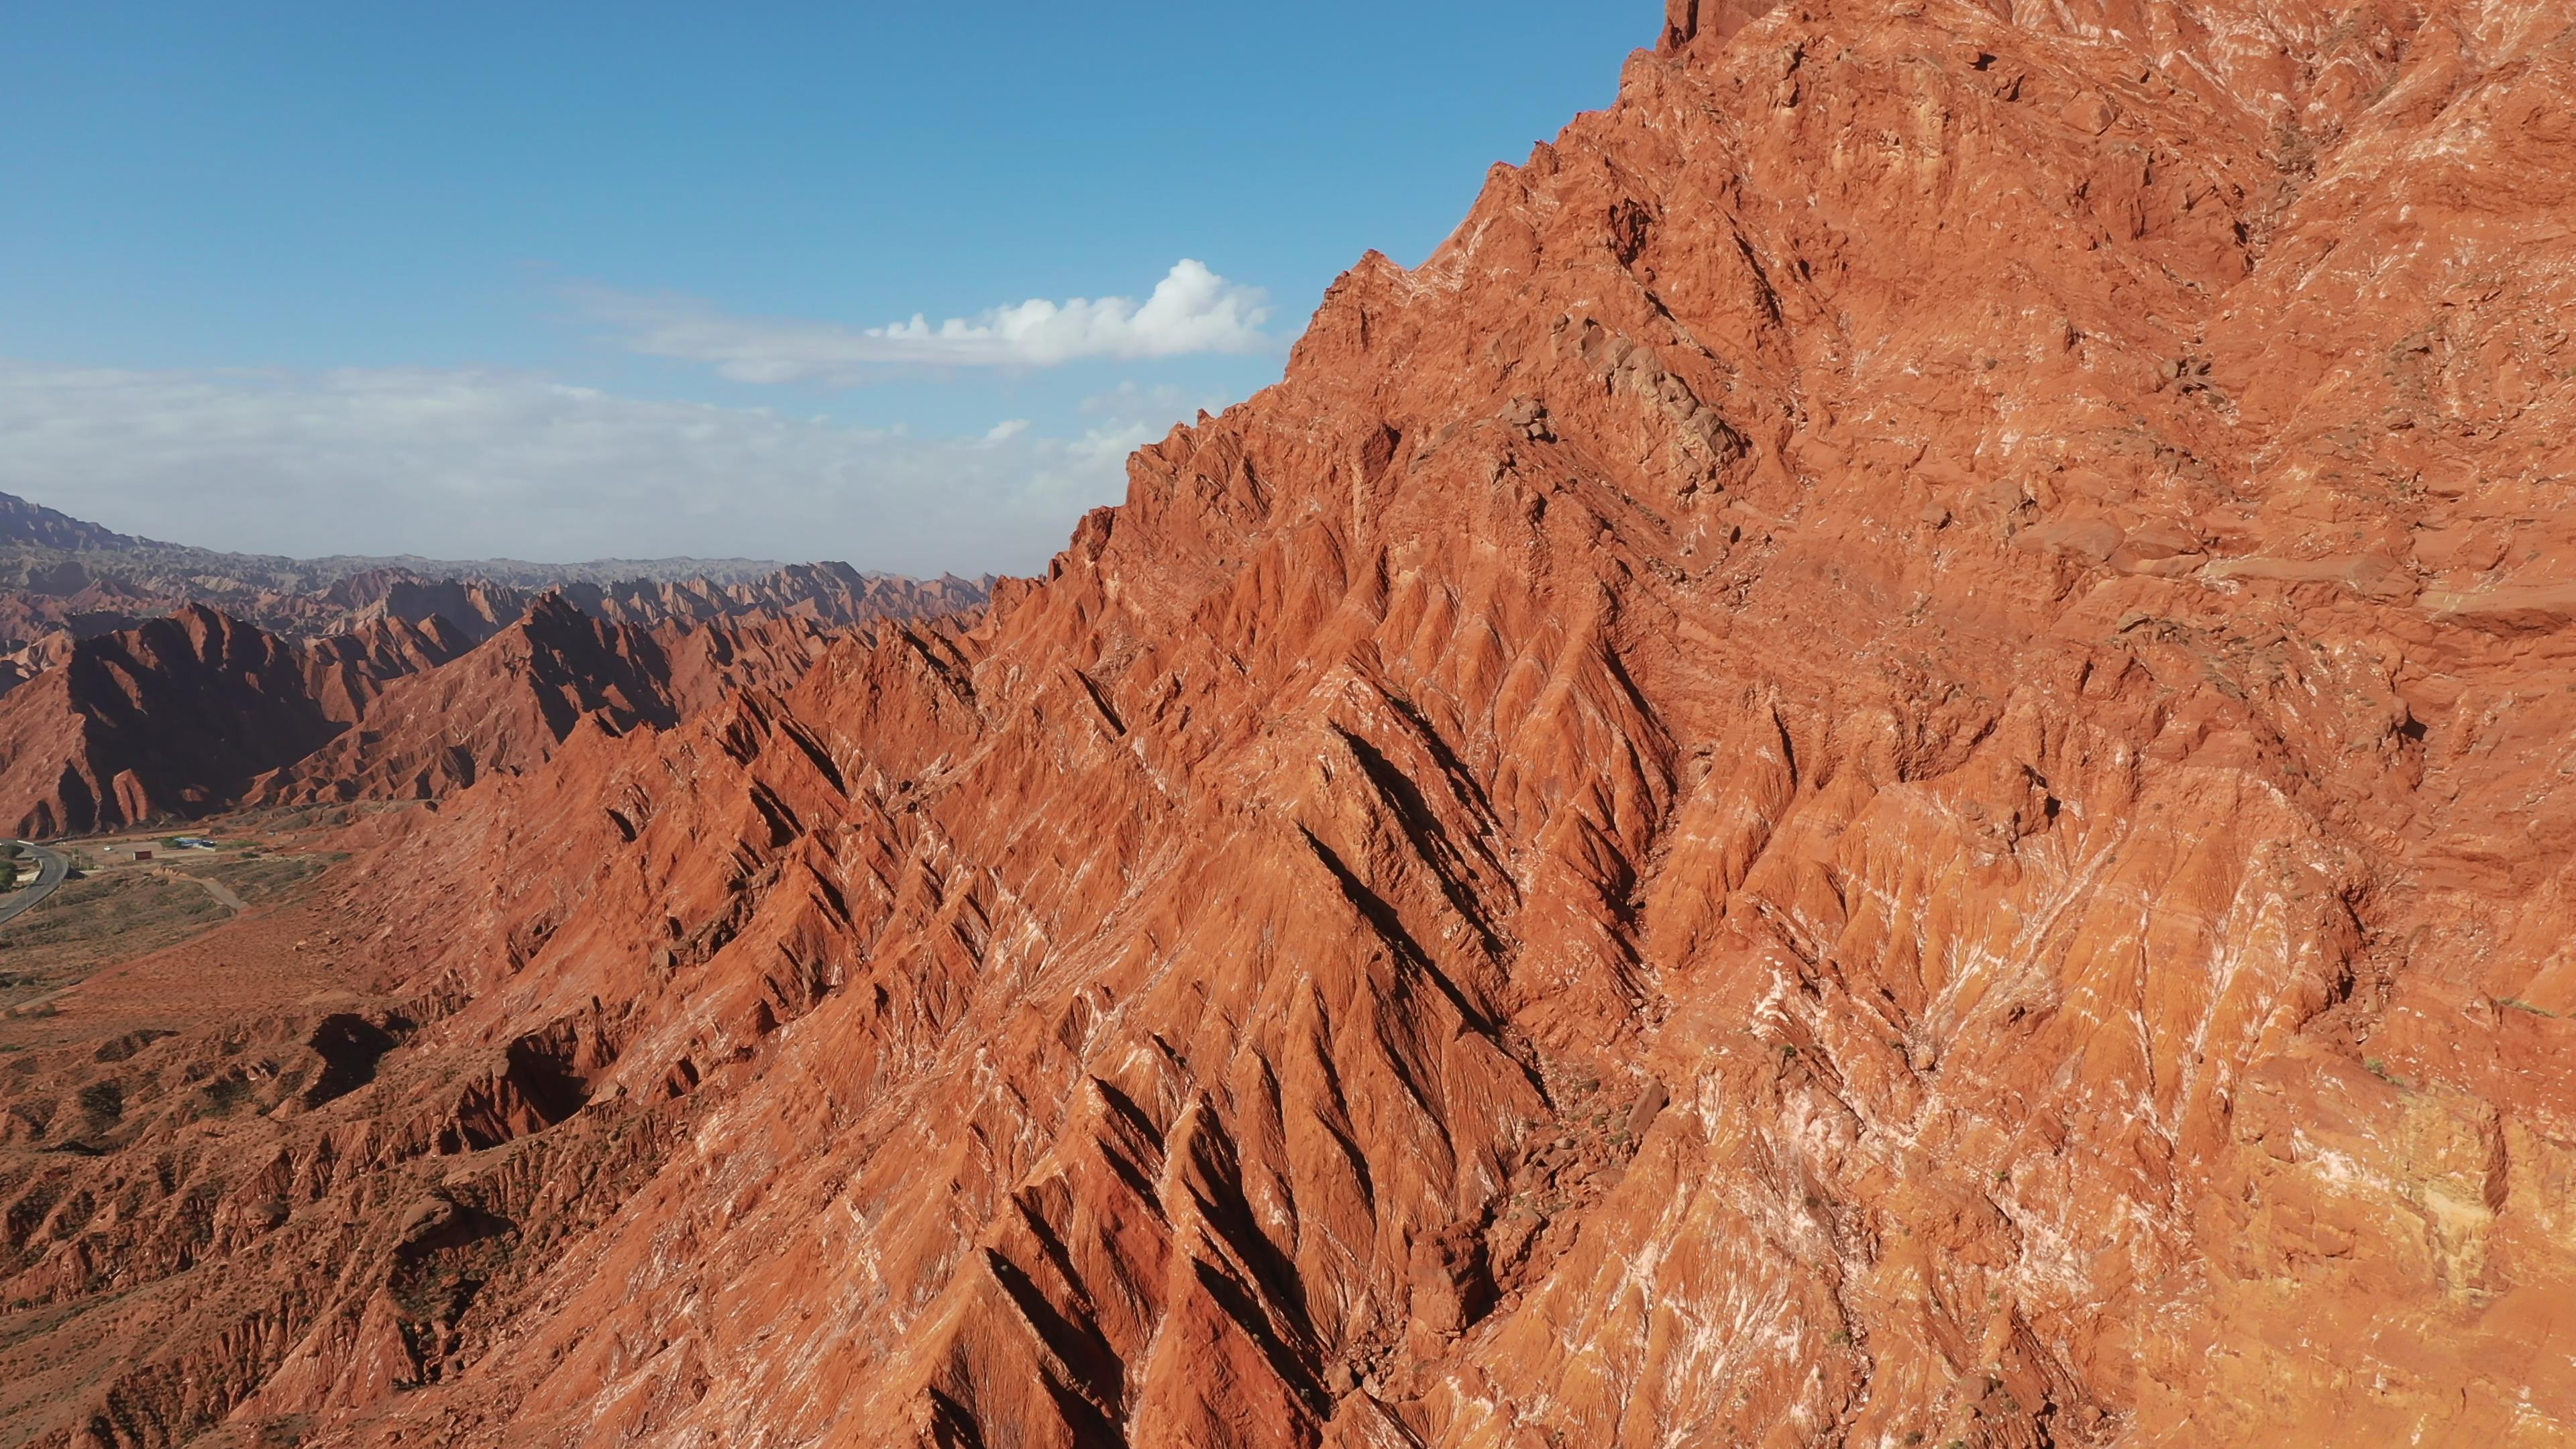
point(196, 712)
point(33, 525)
point(37, 542)
point(147, 680)
point(64, 578)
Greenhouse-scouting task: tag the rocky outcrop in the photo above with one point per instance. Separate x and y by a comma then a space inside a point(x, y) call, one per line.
point(345, 673)
point(510, 703)
point(62, 579)
point(174, 719)
point(1882, 765)
point(186, 716)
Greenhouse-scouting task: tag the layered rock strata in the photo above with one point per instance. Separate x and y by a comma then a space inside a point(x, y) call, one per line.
point(185, 717)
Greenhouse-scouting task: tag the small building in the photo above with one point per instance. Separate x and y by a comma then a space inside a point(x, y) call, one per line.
point(142, 854)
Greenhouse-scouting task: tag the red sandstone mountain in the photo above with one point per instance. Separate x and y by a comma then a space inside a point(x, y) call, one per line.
point(182, 717)
point(173, 718)
point(62, 580)
point(832, 595)
point(345, 673)
point(509, 704)
point(1885, 764)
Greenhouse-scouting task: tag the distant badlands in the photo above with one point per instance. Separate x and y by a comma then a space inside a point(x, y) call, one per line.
point(126, 718)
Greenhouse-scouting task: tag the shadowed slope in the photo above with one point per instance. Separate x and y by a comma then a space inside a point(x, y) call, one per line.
point(173, 718)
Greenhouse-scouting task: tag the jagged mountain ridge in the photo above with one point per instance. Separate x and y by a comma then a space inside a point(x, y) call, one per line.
point(64, 751)
point(510, 703)
point(1879, 767)
point(189, 716)
point(175, 718)
point(32, 525)
point(60, 576)
point(34, 537)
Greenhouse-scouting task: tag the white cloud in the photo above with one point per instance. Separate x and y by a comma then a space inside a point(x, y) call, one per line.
point(1192, 310)
point(1104, 446)
point(473, 464)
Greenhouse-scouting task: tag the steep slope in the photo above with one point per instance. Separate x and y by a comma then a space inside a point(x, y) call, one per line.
point(198, 713)
point(344, 673)
point(711, 663)
point(506, 706)
point(33, 525)
point(1881, 766)
point(173, 718)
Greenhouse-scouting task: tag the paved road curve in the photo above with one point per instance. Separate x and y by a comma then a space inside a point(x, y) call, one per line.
point(50, 870)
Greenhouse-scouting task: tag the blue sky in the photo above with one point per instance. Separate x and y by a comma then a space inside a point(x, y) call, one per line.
point(577, 280)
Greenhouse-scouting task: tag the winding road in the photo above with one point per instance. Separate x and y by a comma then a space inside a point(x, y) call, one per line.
point(50, 870)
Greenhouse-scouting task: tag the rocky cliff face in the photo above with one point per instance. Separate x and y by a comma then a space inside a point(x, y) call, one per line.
point(187, 716)
point(63, 580)
point(173, 718)
point(509, 704)
point(1882, 766)
point(831, 595)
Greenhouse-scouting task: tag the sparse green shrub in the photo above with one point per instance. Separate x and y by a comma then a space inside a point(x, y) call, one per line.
point(102, 1102)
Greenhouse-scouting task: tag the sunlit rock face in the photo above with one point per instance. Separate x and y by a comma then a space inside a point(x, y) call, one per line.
point(192, 715)
point(1888, 763)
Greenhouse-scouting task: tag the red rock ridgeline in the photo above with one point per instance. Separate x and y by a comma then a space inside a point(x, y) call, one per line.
point(830, 594)
point(509, 704)
point(170, 719)
point(361, 634)
point(1880, 766)
point(346, 673)
point(38, 628)
point(827, 593)
point(183, 717)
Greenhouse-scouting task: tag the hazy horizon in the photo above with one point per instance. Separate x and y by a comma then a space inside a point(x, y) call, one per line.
point(634, 284)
